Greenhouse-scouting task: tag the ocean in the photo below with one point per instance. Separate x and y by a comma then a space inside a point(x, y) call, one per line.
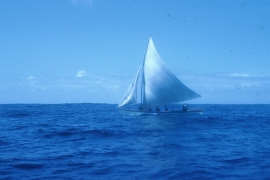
point(94, 141)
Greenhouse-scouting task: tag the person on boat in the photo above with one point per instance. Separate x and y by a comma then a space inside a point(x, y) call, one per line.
point(166, 109)
point(157, 109)
point(185, 107)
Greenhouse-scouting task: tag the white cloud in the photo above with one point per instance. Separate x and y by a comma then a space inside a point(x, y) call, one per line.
point(31, 77)
point(239, 75)
point(81, 74)
point(213, 87)
point(229, 88)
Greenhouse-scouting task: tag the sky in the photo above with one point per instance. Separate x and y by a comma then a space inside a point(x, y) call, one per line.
point(88, 51)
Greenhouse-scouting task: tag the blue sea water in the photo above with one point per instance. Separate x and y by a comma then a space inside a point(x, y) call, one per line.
point(94, 141)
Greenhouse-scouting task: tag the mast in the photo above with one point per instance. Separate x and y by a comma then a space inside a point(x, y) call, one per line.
point(143, 98)
point(143, 84)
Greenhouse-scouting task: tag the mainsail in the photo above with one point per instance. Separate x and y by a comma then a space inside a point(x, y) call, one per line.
point(156, 84)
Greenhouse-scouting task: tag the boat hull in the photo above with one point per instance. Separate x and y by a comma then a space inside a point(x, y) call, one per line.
point(171, 112)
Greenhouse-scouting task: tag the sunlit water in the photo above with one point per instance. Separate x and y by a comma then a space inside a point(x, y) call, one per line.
point(94, 141)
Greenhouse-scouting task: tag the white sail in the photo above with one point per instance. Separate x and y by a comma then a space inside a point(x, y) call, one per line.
point(161, 85)
point(131, 95)
point(158, 85)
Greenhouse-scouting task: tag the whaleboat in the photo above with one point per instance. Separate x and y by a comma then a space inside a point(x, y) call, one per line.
point(155, 88)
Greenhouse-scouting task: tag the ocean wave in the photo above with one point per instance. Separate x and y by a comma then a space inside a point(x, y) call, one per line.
point(83, 141)
point(27, 166)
